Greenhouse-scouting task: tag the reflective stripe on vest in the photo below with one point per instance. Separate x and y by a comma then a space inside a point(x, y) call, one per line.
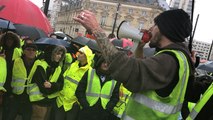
point(164, 108)
point(19, 80)
point(167, 110)
point(206, 96)
point(34, 93)
point(128, 118)
point(34, 86)
point(1, 84)
point(17, 89)
point(72, 80)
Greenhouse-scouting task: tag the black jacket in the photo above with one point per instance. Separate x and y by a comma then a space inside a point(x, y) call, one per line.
point(96, 112)
point(198, 88)
point(40, 76)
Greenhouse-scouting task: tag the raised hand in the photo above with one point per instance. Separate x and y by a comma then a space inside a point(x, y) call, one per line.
point(88, 20)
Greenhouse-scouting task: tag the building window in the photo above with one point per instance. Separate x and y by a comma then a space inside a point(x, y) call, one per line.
point(141, 25)
point(76, 29)
point(106, 7)
point(189, 9)
point(103, 20)
point(130, 11)
point(143, 13)
point(176, 4)
point(94, 5)
point(79, 3)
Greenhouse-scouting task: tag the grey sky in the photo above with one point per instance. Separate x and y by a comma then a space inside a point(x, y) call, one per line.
point(205, 23)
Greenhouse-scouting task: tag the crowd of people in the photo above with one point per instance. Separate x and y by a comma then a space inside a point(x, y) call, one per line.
point(108, 85)
point(38, 84)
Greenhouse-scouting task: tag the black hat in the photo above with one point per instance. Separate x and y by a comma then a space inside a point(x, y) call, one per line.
point(174, 24)
point(30, 45)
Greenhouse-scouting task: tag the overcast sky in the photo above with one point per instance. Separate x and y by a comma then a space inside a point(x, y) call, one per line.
point(204, 30)
point(38, 2)
point(205, 23)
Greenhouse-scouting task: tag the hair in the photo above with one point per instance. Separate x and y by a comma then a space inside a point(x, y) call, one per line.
point(49, 52)
point(10, 35)
point(58, 49)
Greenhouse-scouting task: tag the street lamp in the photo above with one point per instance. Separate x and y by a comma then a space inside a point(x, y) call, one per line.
point(116, 15)
point(46, 6)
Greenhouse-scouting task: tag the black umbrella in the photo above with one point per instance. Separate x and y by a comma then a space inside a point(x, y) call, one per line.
point(82, 41)
point(32, 32)
point(68, 37)
point(92, 44)
point(43, 42)
point(4, 24)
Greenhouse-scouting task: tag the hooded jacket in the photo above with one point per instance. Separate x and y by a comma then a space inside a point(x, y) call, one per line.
point(75, 72)
point(11, 54)
point(41, 76)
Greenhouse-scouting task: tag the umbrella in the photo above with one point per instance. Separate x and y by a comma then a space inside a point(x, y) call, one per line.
point(24, 12)
point(122, 44)
point(61, 35)
point(208, 66)
point(82, 41)
point(4, 24)
point(92, 44)
point(43, 42)
point(32, 32)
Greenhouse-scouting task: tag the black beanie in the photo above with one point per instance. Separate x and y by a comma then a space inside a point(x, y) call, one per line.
point(174, 24)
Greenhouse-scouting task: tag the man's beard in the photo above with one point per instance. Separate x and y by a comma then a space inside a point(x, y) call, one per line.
point(154, 42)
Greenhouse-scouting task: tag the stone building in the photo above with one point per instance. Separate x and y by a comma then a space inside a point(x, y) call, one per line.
point(203, 49)
point(182, 4)
point(139, 13)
